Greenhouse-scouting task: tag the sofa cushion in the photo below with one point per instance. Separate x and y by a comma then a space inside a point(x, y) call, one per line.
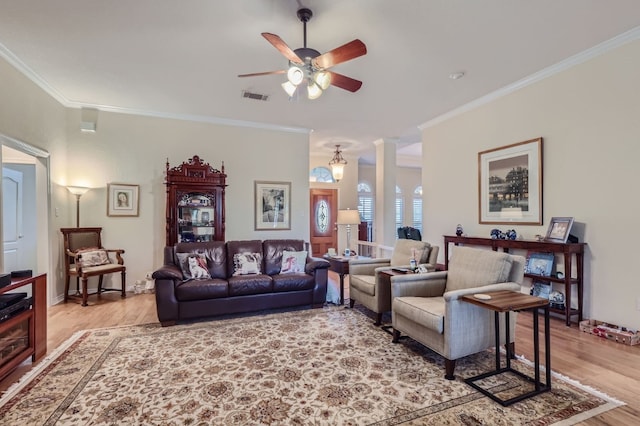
point(193, 266)
point(292, 282)
point(273, 250)
point(247, 263)
point(426, 311)
point(215, 288)
point(250, 284)
point(365, 283)
point(405, 249)
point(293, 262)
point(472, 267)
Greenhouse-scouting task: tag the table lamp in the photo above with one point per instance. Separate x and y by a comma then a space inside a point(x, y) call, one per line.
point(348, 217)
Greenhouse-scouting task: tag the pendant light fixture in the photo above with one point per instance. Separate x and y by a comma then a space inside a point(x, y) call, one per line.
point(337, 164)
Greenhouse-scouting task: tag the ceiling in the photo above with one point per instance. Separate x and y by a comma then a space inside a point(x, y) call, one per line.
point(181, 58)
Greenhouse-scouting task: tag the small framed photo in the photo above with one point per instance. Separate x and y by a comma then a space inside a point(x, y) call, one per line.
point(540, 264)
point(272, 205)
point(123, 200)
point(559, 229)
point(541, 289)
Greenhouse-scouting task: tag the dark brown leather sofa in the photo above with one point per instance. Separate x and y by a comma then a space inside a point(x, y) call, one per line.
point(178, 298)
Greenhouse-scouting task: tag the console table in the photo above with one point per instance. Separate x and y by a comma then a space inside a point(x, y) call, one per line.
point(567, 250)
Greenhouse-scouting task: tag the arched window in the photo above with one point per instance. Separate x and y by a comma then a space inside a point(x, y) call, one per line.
point(417, 208)
point(321, 174)
point(399, 208)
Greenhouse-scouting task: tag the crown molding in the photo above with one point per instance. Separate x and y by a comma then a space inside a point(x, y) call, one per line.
point(572, 61)
point(53, 92)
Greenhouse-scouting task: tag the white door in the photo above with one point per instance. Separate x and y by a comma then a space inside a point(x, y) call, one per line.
point(12, 218)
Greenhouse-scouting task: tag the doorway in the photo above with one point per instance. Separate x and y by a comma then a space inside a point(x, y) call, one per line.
point(322, 217)
point(25, 209)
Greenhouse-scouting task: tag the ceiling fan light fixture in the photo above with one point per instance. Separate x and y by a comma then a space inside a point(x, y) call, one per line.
point(289, 88)
point(322, 78)
point(313, 90)
point(295, 75)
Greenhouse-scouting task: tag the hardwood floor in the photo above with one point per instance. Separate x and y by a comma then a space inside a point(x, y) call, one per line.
point(607, 366)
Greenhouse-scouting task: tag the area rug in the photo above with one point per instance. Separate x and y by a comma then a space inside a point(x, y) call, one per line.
point(327, 366)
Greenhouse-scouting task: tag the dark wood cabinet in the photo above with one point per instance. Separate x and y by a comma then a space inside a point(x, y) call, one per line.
point(24, 334)
point(569, 252)
point(195, 202)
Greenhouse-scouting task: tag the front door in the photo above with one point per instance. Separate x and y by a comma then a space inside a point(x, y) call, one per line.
point(324, 213)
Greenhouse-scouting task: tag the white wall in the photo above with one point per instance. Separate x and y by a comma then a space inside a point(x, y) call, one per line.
point(133, 149)
point(589, 117)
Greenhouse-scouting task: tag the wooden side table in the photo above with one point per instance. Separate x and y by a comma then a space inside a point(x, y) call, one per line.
point(339, 265)
point(507, 301)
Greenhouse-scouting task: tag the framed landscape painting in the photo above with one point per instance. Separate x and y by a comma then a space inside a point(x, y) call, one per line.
point(272, 205)
point(510, 184)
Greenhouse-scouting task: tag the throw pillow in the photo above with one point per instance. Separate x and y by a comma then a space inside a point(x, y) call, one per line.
point(193, 265)
point(247, 263)
point(293, 262)
point(93, 257)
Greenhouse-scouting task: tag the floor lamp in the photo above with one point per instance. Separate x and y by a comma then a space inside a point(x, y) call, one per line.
point(78, 191)
point(348, 217)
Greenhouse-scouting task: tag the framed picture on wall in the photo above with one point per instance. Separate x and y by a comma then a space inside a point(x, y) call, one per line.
point(510, 184)
point(272, 205)
point(123, 199)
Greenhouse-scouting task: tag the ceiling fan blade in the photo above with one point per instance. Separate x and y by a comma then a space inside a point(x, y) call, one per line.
point(344, 53)
point(255, 74)
point(344, 82)
point(279, 44)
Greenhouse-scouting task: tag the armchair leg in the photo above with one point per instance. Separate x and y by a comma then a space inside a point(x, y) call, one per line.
point(396, 336)
point(351, 303)
point(449, 367)
point(124, 290)
point(100, 284)
point(511, 347)
point(378, 318)
point(85, 286)
point(66, 289)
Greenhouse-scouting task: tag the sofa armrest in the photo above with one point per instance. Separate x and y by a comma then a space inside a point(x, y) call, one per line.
point(168, 272)
point(456, 294)
point(314, 263)
point(418, 285)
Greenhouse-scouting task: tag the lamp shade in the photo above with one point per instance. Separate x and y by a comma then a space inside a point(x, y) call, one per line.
point(77, 190)
point(348, 217)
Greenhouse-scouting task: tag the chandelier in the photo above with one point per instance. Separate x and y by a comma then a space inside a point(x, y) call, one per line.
point(337, 164)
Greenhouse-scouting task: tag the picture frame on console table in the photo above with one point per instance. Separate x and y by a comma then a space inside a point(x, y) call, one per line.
point(272, 206)
point(559, 228)
point(123, 200)
point(510, 184)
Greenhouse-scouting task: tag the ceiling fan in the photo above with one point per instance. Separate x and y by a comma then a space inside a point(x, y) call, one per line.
point(308, 66)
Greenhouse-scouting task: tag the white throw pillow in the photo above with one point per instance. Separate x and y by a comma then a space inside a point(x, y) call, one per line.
point(193, 265)
point(293, 262)
point(247, 263)
point(93, 257)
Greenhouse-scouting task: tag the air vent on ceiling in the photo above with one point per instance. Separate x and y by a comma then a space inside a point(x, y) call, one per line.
point(256, 96)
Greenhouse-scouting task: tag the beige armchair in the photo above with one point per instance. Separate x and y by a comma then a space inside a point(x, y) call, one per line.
point(427, 307)
point(365, 284)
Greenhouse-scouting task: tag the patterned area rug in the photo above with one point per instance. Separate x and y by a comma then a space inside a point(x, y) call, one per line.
point(326, 366)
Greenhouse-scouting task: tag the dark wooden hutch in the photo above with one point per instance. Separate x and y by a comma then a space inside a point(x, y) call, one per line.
point(195, 202)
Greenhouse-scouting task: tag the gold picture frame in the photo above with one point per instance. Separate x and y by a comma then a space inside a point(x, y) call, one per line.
point(510, 184)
